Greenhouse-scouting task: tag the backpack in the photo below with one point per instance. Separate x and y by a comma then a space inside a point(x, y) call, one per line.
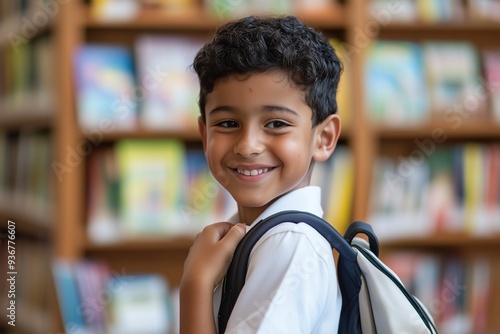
point(373, 298)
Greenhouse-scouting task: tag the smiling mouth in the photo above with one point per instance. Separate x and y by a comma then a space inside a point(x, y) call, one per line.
point(253, 172)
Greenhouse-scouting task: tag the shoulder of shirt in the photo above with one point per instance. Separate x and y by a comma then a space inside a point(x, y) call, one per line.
point(301, 232)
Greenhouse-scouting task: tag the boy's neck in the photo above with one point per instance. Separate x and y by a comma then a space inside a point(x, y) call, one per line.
point(248, 215)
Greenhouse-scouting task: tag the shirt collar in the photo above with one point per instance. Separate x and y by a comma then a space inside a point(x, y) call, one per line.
point(306, 199)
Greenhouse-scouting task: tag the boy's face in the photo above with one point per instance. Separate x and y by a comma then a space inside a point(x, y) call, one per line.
point(258, 139)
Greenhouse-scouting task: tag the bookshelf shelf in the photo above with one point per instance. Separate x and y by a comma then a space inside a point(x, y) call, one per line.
point(32, 222)
point(466, 131)
point(458, 240)
point(26, 116)
point(141, 133)
point(452, 27)
point(199, 20)
point(156, 244)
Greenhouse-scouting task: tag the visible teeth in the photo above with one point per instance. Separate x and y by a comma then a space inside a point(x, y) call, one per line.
point(252, 172)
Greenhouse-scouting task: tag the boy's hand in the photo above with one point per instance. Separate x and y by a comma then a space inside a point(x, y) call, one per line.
point(211, 254)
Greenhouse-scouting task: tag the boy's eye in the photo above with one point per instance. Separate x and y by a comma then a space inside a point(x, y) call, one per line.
point(228, 124)
point(276, 124)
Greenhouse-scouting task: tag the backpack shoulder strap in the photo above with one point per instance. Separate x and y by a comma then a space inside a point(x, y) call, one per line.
point(236, 274)
point(358, 227)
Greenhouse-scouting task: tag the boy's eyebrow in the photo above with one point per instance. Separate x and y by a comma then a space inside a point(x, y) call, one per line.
point(279, 108)
point(221, 108)
point(265, 108)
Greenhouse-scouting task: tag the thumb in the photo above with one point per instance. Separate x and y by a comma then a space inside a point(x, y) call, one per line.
point(234, 236)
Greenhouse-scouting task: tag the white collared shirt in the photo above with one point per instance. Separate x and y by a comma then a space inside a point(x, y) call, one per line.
point(291, 283)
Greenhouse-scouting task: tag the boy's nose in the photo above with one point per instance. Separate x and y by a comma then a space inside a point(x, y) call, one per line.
point(249, 144)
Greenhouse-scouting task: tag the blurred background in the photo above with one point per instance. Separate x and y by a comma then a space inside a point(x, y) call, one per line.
point(103, 181)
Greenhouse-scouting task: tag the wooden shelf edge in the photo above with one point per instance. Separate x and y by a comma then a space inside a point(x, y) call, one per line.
point(466, 130)
point(452, 26)
point(200, 20)
point(35, 223)
point(30, 114)
point(444, 240)
point(142, 133)
point(177, 243)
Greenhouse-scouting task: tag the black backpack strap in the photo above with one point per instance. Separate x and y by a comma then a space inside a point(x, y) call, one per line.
point(366, 229)
point(236, 274)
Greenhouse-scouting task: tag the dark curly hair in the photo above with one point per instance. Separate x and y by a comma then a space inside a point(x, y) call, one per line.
point(258, 44)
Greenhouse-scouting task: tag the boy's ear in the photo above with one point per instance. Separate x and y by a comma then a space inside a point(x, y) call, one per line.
point(326, 137)
point(202, 127)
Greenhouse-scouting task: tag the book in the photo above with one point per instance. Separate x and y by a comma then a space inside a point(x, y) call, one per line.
point(95, 299)
point(480, 292)
point(44, 90)
point(454, 189)
point(335, 177)
point(386, 11)
point(171, 6)
point(235, 9)
point(114, 10)
point(105, 87)
point(440, 10)
point(4, 165)
point(491, 65)
point(68, 297)
point(103, 202)
point(395, 85)
point(92, 278)
point(203, 194)
point(399, 207)
point(344, 96)
point(484, 10)
point(453, 72)
point(152, 175)
point(338, 211)
point(141, 305)
point(169, 87)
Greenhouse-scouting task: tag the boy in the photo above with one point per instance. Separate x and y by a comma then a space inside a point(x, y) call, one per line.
point(268, 113)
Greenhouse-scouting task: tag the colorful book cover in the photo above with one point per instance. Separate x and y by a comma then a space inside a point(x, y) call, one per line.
point(206, 200)
point(105, 87)
point(112, 10)
point(491, 65)
point(395, 84)
point(473, 185)
point(142, 305)
point(92, 279)
point(68, 297)
point(152, 187)
point(344, 96)
point(169, 86)
point(103, 196)
point(172, 6)
point(202, 190)
point(453, 72)
point(339, 208)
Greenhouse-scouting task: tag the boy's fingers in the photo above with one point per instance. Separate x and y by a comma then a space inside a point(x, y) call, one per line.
point(215, 232)
point(234, 236)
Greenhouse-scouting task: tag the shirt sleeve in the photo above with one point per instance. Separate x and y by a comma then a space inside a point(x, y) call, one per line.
point(286, 285)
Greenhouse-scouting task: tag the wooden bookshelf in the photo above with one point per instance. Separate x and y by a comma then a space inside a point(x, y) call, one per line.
point(64, 225)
